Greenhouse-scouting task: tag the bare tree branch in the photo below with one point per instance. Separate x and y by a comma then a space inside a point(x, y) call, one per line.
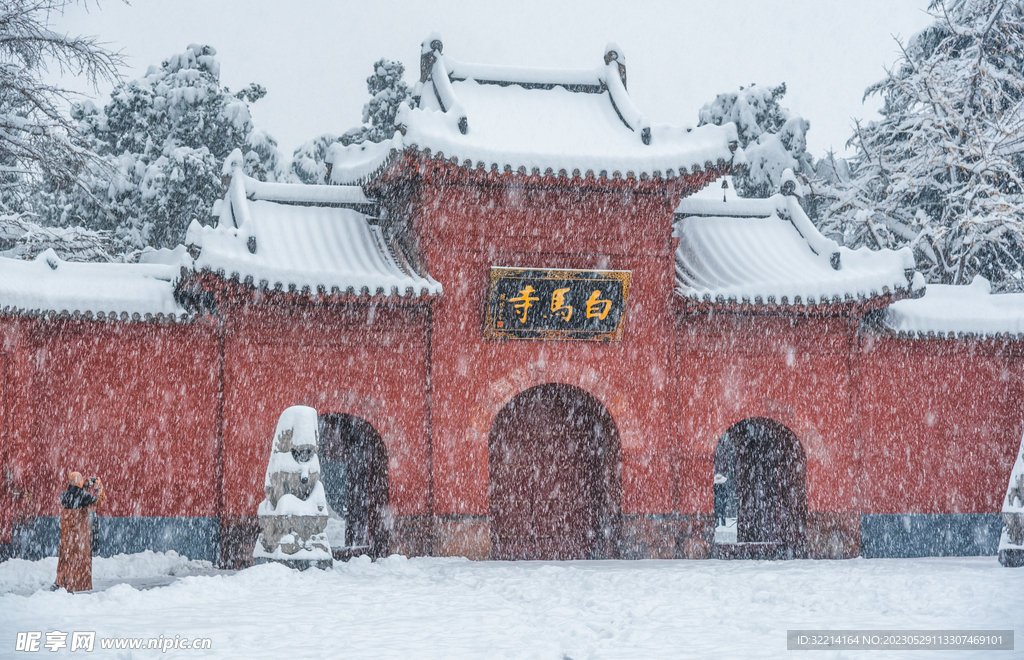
point(36, 132)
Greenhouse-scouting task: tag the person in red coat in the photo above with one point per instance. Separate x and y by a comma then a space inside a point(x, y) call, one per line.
point(74, 565)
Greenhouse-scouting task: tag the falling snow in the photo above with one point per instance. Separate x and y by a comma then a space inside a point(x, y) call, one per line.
point(767, 390)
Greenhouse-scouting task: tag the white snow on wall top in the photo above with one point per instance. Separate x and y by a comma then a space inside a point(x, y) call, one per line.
point(300, 246)
point(970, 309)
point(48, 284)
point(533, 121)
point(304, 194)
point(766, 259)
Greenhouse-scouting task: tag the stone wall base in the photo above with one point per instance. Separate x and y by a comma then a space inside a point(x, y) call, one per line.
point(410, 536)
point(237, 540)
point(641, 536)
point(462, 536)
point(197, 537)
point(666, 536)
point(833, 535)
point(930, 534)
point(697, 532)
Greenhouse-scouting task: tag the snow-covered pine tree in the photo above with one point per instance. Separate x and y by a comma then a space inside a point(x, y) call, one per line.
point(772, 138)
point(36, 135)
point(942, 170)
point(308, 164)
point(164, 137)
point(388, 92)
point(263, 159)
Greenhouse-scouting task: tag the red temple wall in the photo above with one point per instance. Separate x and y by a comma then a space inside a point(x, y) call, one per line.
point(138, 405)
point(8, 492)
point(941, 421)
point(796, 371)
point(894, 426)
point(906, 426)
point(464, 230)
point(887, 425)
point(134, 403)
point(373, 368)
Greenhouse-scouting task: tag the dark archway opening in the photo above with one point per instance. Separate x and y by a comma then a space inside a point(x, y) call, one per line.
point(555, 485)
point(354, 472)
point(761, 477)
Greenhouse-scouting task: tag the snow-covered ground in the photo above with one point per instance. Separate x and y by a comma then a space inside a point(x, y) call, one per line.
point(454, 608)
point(142, 570)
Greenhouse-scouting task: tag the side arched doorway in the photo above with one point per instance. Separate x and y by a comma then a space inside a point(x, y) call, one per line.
point(354, 471)
point(764, 490)
point(555, 486)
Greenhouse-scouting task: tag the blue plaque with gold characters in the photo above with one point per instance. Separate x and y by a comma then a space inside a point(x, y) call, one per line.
point(556, 303)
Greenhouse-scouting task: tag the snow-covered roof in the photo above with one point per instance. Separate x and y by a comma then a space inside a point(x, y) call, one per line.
point(290, 193)
point(720, 199)
point(308, 237)
point(536, 121)
point(49, 286)
point(946, 310)
point(767, 251)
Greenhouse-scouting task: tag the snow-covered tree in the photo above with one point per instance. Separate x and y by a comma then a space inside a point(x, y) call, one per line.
point(388, 93)
point(308, 164)
point(36, 135)
point(942, 170)
point(773, 138)
point(262, 157)
point(164, 138)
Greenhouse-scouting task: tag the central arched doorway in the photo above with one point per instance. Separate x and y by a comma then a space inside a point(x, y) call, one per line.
point(555, 488)
point(354, 472)
point(760, 492)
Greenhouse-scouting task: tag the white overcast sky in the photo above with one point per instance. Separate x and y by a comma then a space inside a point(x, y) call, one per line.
point(314, 56)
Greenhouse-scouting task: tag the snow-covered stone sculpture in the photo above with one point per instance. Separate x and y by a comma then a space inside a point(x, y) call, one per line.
point(293, 517)
point(1011, 543)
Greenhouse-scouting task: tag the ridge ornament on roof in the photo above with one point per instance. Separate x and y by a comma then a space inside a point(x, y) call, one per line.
point(578, 123)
